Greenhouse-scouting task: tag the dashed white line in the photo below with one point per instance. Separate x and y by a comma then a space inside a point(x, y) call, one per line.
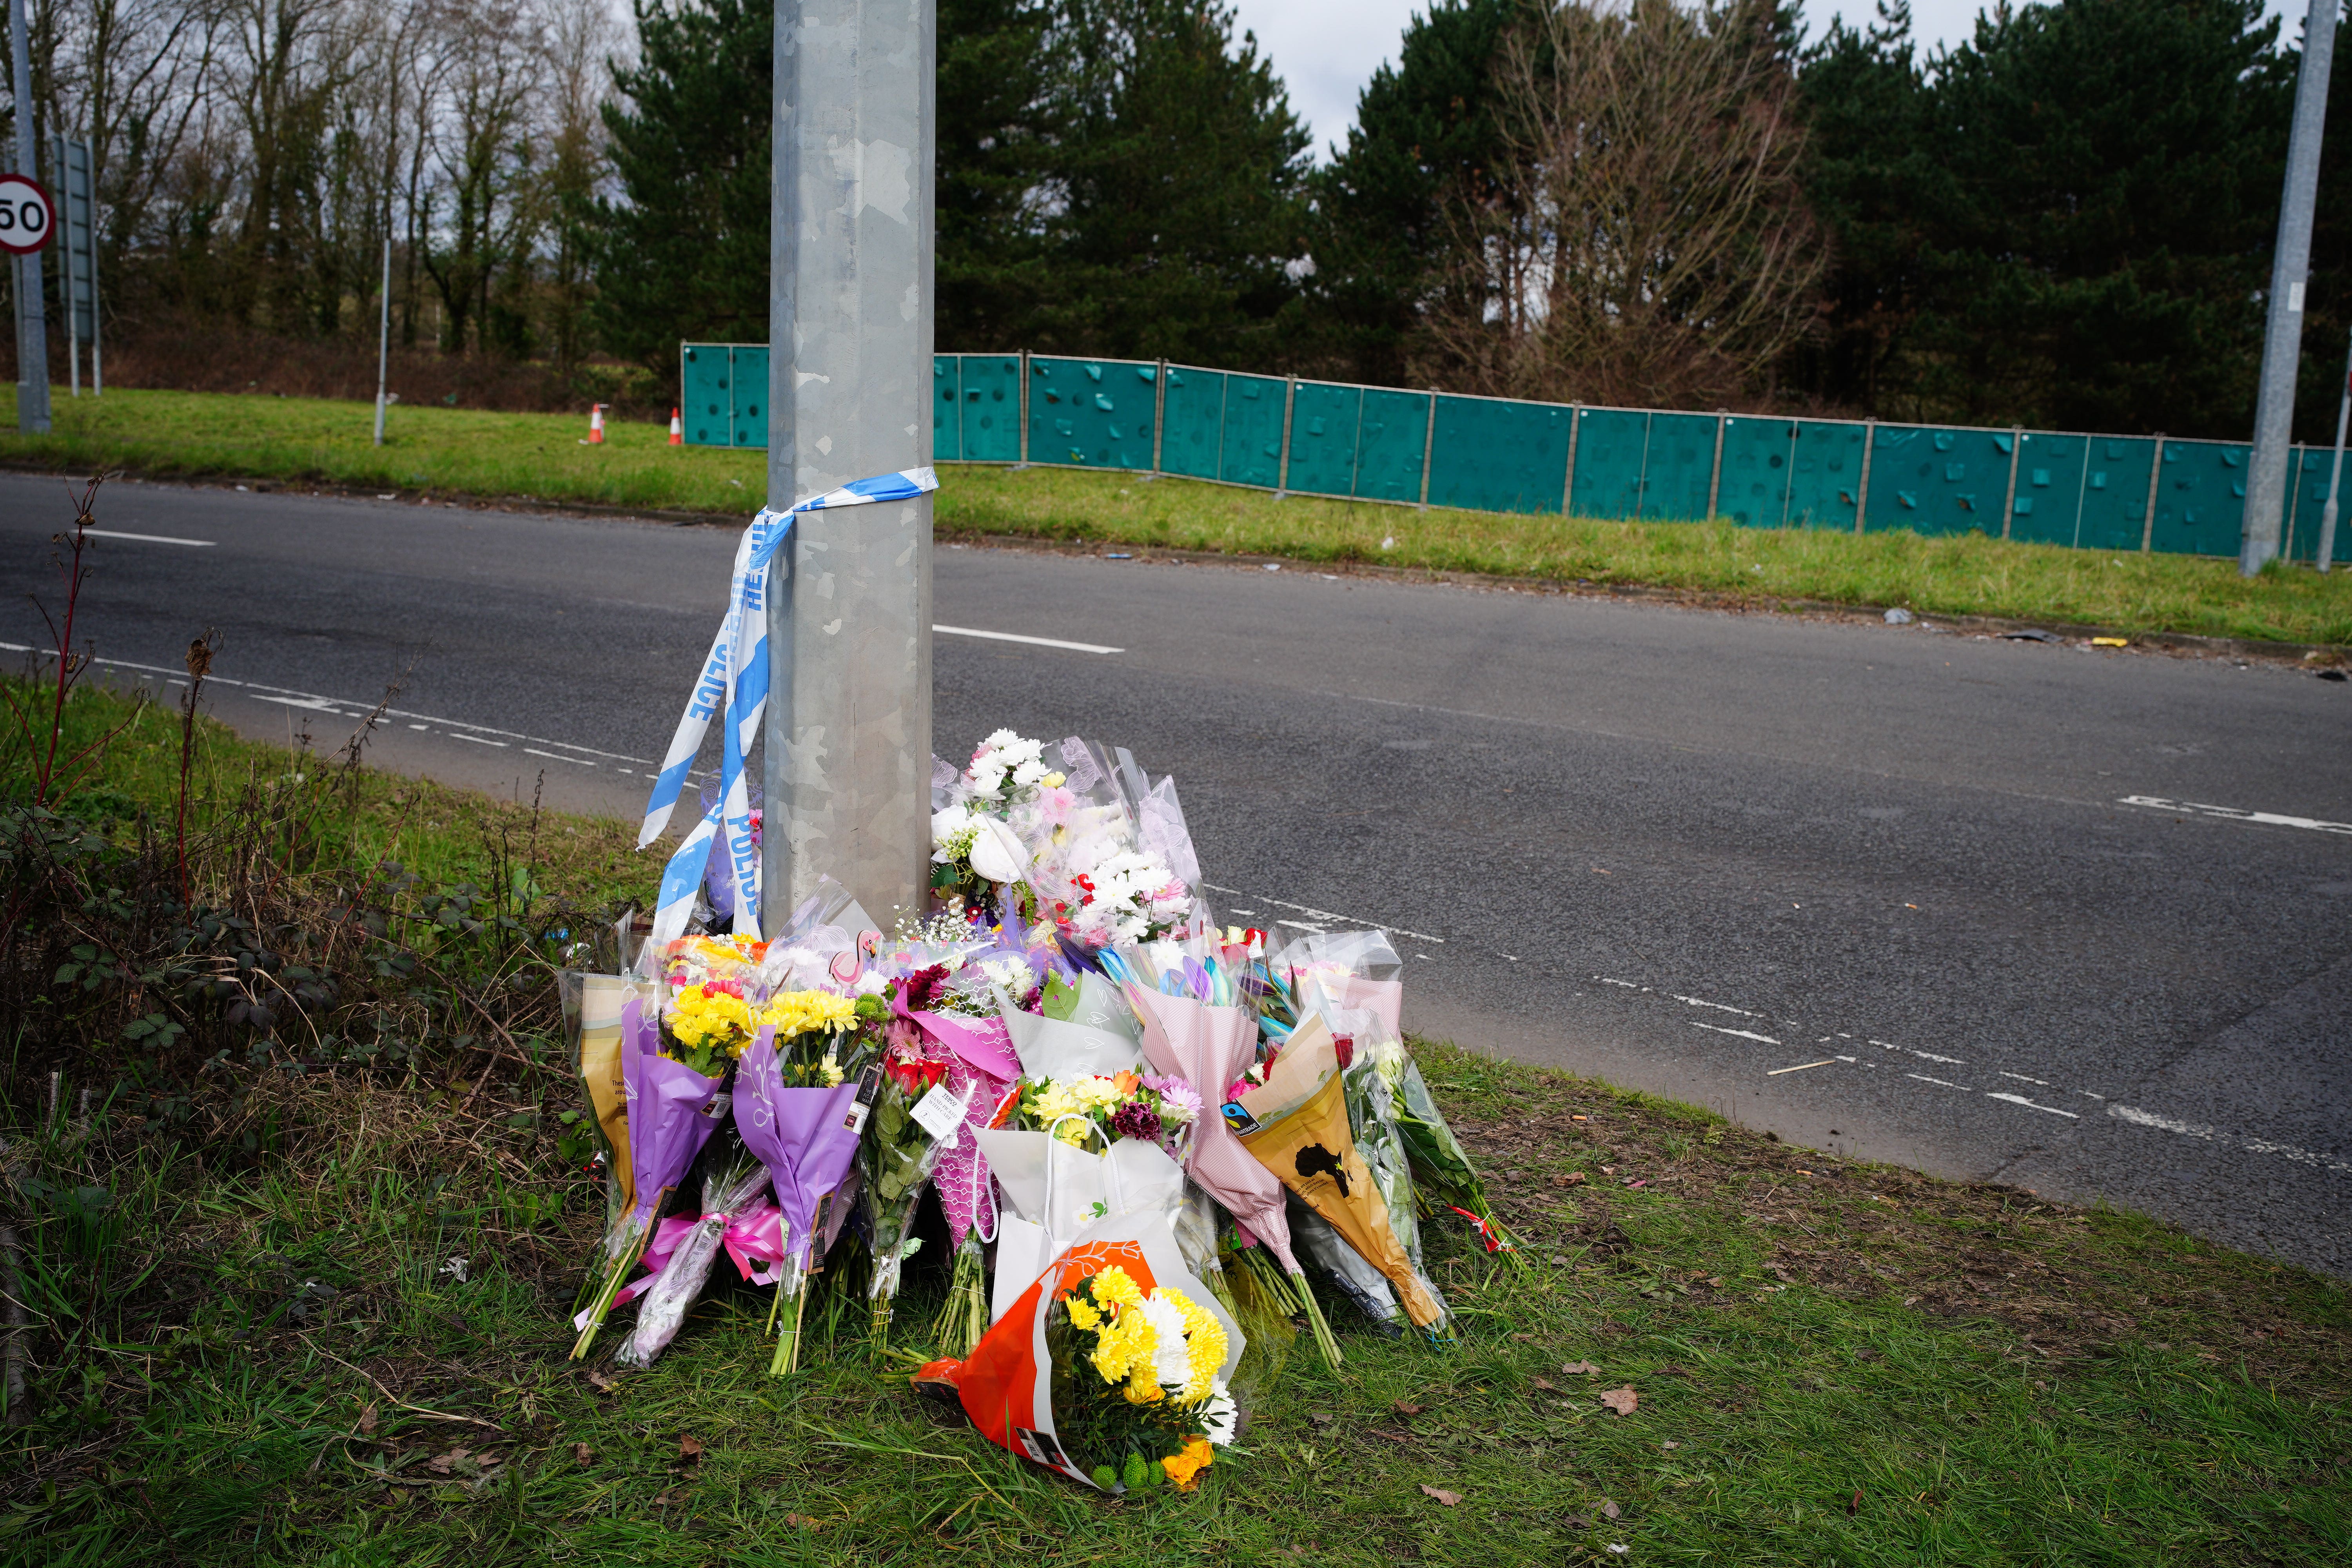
point(2020, 1100)
point(1719, 1006)
point(1923, 1055)
point(149, 538)
point(2235, 814)
point(1939, 1082)
point(1015, 636)
point(2022, 1079)
point(1743, 1034)
point(553, 756)
point(2198, 1130)
point(1326, 915)
point(461, 735)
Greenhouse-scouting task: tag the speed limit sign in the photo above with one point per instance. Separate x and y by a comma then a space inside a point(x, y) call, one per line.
point(28, 220)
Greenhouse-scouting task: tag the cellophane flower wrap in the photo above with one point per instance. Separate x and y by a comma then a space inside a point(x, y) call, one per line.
point(797, 1112)
point(975, 856)
point(893, 1162)
point(1091, 875)
point(672, 1110)
point(735, 1219)
point(1138, 1394)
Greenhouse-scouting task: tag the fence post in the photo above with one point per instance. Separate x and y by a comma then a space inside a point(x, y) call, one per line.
point(1159, 418)
point(2082, 489)
point(1021, 405)
point(2016, 455)
point(1714, 479)
point(1861, 484)
point(1568, 484)
point(1428, 443)
point(2155, 478)
point(1282, 467)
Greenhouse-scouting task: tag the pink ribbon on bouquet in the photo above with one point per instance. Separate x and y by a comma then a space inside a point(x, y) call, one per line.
point(753, 1237)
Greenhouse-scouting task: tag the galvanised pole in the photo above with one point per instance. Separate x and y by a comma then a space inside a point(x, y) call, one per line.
point(32, 326)
point(848, 741)
point(2266, 478)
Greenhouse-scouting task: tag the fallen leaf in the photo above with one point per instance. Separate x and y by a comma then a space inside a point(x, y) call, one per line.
point(690, 1448)
point(1442, 1495)
point(1575, 1179)
point(1714, 1281)
point(603, 1384)
point(1320, 1418)
point(441, 1464)
point(804, 1522)
point(1402, 1408)
point(1525, 1338)
point(1577, 1521)
point(1577, 1368)
point(1621, 1400)
point(583, 1453)
point(668, 1496)
point(1546, 1386)
point(1853, 1503)
point(1608, 1508)
point(367, 1422)
point(1608, 1169)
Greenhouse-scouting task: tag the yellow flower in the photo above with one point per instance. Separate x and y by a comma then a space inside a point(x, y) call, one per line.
point(1205, 1346)
point(1082, 1312)
point(1116, 1287)
point(805, 1012)
point(1184, 1468)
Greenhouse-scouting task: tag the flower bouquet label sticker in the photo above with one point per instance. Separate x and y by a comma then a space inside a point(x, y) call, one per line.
point(940, 1114)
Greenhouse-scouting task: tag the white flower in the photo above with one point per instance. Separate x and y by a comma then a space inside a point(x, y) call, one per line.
point(946, 824)
point(1218, 1416)
point(1029, 772)
point(1171, 1364)
point(996, 853)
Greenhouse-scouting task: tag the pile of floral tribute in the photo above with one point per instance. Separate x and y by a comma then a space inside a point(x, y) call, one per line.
point(1148, 1137)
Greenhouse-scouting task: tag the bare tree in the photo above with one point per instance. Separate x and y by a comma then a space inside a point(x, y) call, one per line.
point(1647, 241)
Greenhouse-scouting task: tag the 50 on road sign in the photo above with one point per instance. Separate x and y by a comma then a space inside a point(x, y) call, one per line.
point(28, 219)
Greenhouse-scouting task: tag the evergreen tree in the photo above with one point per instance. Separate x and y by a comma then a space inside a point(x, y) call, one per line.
point(1865, 103)
point(684, 257)
point(1424, 132)
point(2099, 227)
point(997, 132)
point(1173, 199)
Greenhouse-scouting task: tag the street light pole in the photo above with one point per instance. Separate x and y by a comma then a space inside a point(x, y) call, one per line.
point(32, 326)
point(2335, 474)
point(2266, 479)
point(384, 330)
point(848, 724)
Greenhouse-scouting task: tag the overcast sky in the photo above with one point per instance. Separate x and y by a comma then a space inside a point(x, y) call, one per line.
point(1324, 50)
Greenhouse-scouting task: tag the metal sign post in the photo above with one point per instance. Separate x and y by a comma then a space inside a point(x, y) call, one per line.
point(78, 257)
point(848, 723)
point(2266, 478)
point(32, 329)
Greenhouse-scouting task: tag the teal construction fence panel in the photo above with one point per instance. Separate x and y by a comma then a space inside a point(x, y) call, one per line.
point(991, 385)
point(1251, 433)
point(1937, 480)
point(706, 405)
point(1192, 423)
point(1677, 467)
point(1754, 489)
point(2200, 499)
point(2115, 493)
point(1494, 455)
point(2051, 473)
point(747, 372)
point(1610, 445)
point(1825, 477)
point(1095, 413)
point(947, 408)
point(1391, 440)
point(1324, 421)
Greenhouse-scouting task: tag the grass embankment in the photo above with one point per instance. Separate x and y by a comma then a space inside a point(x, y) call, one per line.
point(453, 451)
point(346, 1347)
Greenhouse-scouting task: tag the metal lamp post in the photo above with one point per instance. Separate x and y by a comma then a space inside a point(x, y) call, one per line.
point(848, 726)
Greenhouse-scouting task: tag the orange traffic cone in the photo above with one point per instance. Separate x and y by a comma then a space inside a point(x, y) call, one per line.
point(595, 424)
point(677, 429)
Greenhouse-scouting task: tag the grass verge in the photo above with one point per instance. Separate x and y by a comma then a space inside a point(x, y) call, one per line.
point(542, 457)
point(342, 1343)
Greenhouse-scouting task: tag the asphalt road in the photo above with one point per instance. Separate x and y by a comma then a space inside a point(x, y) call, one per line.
point(1891, 892)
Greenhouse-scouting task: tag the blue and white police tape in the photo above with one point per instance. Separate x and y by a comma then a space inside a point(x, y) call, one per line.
point(734, 680)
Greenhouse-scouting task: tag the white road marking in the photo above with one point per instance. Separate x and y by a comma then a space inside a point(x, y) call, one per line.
point(2235, 814)
point(1015, 636)
point(461, 735)
point(576, 761)
point(2022, 1079)
point(1923, 1055)
point(1626, 984)
point(2198, 1130)
point(149, 538)
point(1719, 1006)
point(1315, 914)
point(294, 699)
point(1743, 1034)
point(2020, 1100)
point(1939, 1082)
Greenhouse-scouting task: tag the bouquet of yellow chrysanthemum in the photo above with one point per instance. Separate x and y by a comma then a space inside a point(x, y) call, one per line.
point(710, 1000)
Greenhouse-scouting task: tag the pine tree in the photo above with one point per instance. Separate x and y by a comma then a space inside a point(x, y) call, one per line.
point(685, 256)
point(997, 132)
